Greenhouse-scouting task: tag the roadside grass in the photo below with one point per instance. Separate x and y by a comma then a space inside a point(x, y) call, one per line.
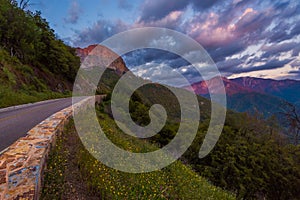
point(9, 97)
point(54, 175)
point(177, 181)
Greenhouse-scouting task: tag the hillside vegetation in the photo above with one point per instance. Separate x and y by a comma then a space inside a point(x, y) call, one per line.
point(176, 181)
point(34, 63)
point(251, 159)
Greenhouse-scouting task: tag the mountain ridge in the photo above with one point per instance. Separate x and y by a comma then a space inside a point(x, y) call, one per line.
point(281, 88)
point(248, 94)
point(249, 84)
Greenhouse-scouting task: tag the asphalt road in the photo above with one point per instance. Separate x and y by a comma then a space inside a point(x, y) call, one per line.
point(16, 123)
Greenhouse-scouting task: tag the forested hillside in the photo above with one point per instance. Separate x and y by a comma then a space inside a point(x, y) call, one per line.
point(251, 159)
point(34, 63)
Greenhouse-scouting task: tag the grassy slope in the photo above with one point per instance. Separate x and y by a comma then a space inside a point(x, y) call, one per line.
point(176, 181)
point(230, 165)
point(21, 83)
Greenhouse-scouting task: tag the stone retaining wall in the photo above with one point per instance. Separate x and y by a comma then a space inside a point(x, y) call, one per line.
point(22, 164)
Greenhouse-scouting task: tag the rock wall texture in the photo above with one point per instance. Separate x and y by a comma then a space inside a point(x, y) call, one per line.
point(22, 164)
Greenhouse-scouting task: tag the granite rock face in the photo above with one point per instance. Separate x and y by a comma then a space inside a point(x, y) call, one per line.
point(101, 56)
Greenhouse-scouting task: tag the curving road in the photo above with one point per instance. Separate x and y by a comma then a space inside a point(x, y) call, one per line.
point(17, 122)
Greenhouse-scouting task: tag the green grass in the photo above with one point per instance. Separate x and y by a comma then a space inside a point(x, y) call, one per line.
point(9, 97)
point(55, 172)
point(177, 181)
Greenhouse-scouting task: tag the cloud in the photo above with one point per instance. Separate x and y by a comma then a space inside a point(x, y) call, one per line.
point(296, 52)
point(212, 31)
point(295, 64)
point(172, 21)
point(273, 64)
point(294, 74)
point(276, 49)
point(161, 73)
point(204, 4)
point(253, 21)
point(242, 36)
point(153, 10)
point(100, 31)
point(220, 54)
point(160, 66)
point(296, 29)
point(140, 57)
point(228, 65)
point(124, 4)
point(207, 30)
point(280, 32)
point(73, 13)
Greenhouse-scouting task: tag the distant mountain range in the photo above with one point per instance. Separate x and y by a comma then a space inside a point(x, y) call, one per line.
point(248, 94)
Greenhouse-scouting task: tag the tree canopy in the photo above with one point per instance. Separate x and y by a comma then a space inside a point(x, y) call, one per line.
point(28, 37)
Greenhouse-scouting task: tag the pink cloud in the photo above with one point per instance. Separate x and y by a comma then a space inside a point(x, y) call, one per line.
point(211, 30)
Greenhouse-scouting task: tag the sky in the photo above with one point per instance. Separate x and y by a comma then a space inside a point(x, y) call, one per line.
point(244, 37)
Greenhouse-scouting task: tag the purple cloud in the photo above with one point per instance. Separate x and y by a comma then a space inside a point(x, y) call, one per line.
point(100, 31)
point(204, 4)
point(73, 13)
point(153, 10)
point(276, 49)
point(226, 29)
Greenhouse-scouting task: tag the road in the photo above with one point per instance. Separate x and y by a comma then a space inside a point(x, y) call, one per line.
point(16, 123)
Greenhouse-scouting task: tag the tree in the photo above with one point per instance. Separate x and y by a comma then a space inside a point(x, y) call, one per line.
point(24, 4)
point(292, 118)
